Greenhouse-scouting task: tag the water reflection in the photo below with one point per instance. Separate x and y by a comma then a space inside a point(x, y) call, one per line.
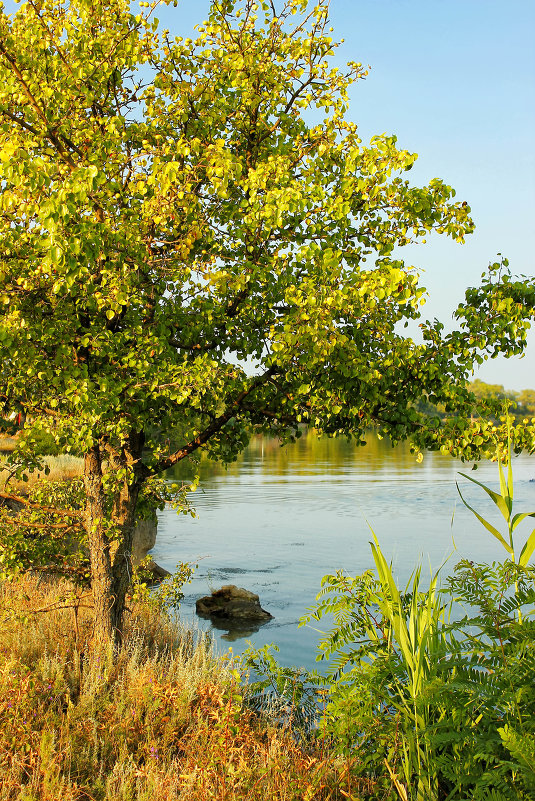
point(311, 454)
point(279, 519)
point(236, 630)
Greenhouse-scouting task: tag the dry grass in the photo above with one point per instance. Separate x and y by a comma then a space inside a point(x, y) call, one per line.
point(61, 468)
point(165, 720)
point(7, 444)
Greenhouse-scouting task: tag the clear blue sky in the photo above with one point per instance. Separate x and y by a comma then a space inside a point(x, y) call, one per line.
point(455, 81)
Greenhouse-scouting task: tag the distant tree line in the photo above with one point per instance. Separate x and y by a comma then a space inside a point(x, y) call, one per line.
point(521, 404)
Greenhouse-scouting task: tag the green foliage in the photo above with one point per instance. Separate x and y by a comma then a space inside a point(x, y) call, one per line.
point(504, 501)
point(499, 294)
point(43, 530)
point(444, 704)
point(488, 686)
point(142, 249)
point(288, 695)
point(385, 650)
point(167, 595)
point(159, 493)
point(436, 685)
point(168, 211)
point(44, 533)
point(522, 749)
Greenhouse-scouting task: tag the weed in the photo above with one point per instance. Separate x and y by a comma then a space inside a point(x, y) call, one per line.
point(162, 720)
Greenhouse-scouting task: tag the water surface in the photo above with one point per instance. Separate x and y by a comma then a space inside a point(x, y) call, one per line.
point(279, 519)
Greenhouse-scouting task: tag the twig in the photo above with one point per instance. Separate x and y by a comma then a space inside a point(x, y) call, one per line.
point(33, 505)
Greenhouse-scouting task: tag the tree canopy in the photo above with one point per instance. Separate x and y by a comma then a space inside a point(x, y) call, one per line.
point(175, 211)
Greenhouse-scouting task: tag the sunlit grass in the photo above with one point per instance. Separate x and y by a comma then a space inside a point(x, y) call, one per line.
point(164, 720)
point(7, 444)
point(62, 467)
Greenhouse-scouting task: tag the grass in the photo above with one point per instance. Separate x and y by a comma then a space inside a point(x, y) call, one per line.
point(164, 720)
point(7, 443)
point(62, 467)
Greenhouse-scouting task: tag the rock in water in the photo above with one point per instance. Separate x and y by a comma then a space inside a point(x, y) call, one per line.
point(232, 603)
point(144, 539)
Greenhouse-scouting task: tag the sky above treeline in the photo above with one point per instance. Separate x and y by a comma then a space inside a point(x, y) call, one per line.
point(455, 81)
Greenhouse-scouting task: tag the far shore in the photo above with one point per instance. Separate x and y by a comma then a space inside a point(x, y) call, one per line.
point(64, 466)
point(7, 444)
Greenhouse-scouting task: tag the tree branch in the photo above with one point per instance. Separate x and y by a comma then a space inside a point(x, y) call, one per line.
point(32, 505)
point(44, 526)
point(203, 437)
point(20, 122)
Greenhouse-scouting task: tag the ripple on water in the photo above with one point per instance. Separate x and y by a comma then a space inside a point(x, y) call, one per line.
point(252, 519)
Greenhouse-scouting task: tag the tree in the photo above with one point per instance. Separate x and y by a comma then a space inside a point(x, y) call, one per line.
point(526, 401)
point(170, 209)
point(484, 391)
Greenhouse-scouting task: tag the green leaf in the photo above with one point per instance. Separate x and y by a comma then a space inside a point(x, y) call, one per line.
point(56, 254)
point(498, 499)
point(494, 531)
point(518, 518)
point(527, 550)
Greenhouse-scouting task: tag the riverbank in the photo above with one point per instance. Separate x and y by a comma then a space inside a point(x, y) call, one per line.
point(60, 468)
point(166, 720)
point(7, 444)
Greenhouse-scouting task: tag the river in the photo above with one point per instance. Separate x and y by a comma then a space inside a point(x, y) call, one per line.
point(279, 519)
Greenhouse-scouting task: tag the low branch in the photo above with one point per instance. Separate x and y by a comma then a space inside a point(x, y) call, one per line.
point(218, 423)
point(47, 526)
point(33, 505)
point(56, 607)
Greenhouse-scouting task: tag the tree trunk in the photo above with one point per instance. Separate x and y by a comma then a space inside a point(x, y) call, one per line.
point(124, 520)
point(99, 548)
point(110, 534)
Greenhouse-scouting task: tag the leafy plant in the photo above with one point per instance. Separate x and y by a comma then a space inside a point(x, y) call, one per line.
point(488, 683)
point(443, 701)
point(504, 502)
point(288, 695)
point(439, 707)
point(42, 531)
point(387, 647)
point(167, 594)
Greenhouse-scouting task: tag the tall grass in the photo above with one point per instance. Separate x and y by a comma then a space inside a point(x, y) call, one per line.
point(62, 467)
point(7, 443)
point(162, 720)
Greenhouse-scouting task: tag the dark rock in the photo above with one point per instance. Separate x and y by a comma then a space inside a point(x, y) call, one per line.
point(232, 603)
point(156, 573)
